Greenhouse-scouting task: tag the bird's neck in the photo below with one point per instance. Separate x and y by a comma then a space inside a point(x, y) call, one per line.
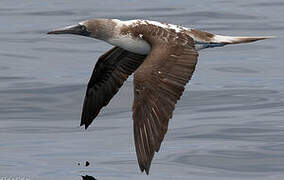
point(127, 41)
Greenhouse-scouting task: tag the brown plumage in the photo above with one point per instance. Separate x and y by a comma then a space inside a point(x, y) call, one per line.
point(161, 56)
point(158, 84)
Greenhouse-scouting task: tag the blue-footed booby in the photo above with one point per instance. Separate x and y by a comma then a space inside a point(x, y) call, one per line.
point(162, 57)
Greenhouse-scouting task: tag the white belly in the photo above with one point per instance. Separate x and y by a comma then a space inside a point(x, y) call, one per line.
point(138, 45)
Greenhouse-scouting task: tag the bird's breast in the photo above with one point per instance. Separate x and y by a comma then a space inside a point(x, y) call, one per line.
point(129, 43)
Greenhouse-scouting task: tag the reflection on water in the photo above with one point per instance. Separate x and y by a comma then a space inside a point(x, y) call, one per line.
point(228, 124)
point(88, 177)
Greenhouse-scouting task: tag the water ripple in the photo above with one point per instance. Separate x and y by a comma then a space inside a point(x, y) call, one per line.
point(240, 161)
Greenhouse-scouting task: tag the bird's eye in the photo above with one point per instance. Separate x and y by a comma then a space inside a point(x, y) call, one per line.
point(83, 28)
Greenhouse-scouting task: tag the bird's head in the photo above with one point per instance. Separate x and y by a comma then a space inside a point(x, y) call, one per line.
point(96, 28)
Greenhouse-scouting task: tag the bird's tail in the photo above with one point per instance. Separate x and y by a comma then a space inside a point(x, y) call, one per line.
point(204, 39)
point(237, 40)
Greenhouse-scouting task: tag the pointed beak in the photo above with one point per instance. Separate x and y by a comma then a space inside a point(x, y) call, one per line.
point(76, 29)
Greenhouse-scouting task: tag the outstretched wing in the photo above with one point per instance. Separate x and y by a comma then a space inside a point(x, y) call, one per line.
point(110, 72)
point(158, 84)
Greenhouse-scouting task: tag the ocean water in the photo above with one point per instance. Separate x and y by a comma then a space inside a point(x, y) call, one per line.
point(229, 124)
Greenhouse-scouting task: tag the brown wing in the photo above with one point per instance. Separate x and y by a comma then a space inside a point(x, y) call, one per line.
point(158, 84)
point(110, 72)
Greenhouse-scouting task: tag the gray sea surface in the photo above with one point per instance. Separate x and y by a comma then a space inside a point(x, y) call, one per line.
point(229, 124)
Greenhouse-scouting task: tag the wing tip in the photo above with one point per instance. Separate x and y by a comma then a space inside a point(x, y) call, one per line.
point(84, 123)
point(144, 168)
point(147, 171)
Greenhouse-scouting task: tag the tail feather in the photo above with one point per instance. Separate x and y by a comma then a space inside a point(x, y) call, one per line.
point(237, 40)
point(204, 39)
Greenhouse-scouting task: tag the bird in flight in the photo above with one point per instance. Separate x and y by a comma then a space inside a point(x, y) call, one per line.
point(162, 57)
